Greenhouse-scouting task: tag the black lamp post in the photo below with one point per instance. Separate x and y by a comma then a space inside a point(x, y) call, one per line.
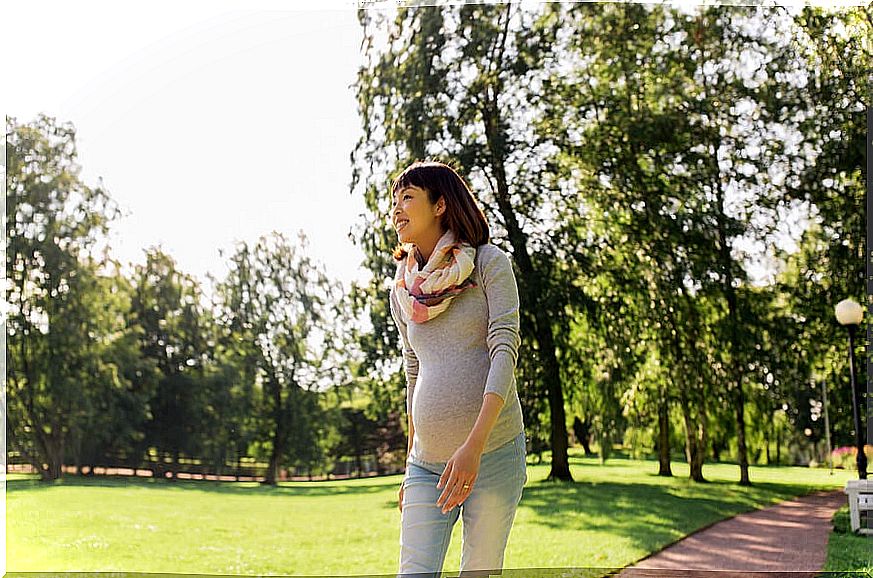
point(849, 313)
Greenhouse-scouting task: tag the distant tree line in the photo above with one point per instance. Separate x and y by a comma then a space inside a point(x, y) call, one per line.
point(104, 368)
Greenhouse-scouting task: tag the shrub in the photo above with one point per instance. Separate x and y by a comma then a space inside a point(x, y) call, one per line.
point(844, 457)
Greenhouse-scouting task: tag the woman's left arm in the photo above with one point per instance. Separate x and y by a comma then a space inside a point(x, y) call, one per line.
point(463, 467)
point(503, 342)
point(491, 406)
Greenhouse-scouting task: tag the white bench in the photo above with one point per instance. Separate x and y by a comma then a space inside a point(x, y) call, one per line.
point(860, 494)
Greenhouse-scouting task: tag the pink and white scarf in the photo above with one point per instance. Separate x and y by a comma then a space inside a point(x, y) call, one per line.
point(424, 294)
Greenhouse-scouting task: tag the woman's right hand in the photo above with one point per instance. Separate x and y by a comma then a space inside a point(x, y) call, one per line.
point(400, 498)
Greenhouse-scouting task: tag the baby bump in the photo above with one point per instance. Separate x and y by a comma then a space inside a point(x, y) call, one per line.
point(446, 405)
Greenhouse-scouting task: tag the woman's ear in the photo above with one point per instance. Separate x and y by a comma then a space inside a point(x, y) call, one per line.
point(440, 206)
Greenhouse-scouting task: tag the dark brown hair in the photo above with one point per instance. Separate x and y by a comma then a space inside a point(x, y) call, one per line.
point(462, 215)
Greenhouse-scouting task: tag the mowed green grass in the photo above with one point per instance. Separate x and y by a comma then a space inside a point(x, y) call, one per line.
point(611, 516)
point(846, 550)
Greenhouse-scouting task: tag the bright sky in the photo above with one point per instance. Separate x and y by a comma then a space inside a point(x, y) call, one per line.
point(208, 123)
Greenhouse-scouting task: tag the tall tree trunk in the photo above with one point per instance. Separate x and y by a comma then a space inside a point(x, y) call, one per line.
point(272, 474)
point(358, 449)
point(278, 449)
point(734, 367)
point(741, 434)
point(495, 135)
point(49, 456)
point(700, 457)
point(558, 440)
point(695, 452)
point(695, 434)
point(604, 440)
point(695, 425)
point(582, 430)
point(664, 438)
point(778, 447)
point(54, 458)
point(531, 290)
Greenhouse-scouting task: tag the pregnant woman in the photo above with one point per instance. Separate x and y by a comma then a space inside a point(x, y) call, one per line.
point(455, 303)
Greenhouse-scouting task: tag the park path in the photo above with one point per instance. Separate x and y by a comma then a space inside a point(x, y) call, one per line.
point(788, 539)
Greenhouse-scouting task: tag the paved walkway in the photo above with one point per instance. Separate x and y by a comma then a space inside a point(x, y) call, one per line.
point(788, 539)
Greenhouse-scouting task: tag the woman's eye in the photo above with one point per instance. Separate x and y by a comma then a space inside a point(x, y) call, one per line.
point(407, 197)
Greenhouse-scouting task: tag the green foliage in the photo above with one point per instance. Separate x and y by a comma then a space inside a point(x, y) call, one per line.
point(400, 113)
point(637, 156)
point(103, 368)
point(453, 83)
point(281, 318)
point(628, 156)
point(655, 123)
point(835, 47)
point(63, 334)
point(166, 305)
point(116, 425)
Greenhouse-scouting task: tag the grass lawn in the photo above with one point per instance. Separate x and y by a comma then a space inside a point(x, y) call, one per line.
point(846, 550)
point(611, 516)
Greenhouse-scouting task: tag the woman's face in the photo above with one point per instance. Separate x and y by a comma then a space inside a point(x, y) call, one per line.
point(414, 217)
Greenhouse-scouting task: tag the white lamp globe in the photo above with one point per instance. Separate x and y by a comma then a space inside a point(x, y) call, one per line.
point(849, 312)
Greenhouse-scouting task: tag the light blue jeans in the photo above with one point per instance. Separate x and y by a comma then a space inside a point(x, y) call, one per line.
point(488, 513)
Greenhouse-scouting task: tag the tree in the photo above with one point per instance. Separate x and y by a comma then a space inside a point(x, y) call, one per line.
point(113, 431)
point(453, 83)
point(613, 115)
point(828, 175)
point(636, 157)
point(281, 311)
point(663, 119)
point(54, 325)
point(166, 305)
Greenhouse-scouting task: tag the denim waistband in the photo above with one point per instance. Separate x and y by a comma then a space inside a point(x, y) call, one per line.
point(440, 466)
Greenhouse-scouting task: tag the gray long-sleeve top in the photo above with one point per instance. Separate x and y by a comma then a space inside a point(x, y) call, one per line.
point(454, 359)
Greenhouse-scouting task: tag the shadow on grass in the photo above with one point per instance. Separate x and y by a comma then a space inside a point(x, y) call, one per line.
point(648, 515)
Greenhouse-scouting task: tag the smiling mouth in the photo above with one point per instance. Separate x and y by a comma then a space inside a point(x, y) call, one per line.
point(401, 225)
